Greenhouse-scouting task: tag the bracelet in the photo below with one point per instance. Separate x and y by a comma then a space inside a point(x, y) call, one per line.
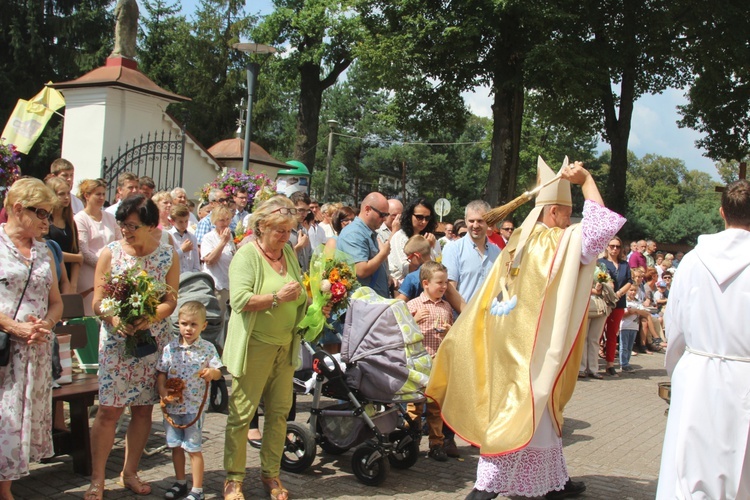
point(275, 302)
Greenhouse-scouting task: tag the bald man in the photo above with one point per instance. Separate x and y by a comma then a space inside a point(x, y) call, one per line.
point(360, 240)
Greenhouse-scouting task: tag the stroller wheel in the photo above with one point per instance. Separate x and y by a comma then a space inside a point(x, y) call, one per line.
point(299, 449)
point(370, 465)
point(405, 451)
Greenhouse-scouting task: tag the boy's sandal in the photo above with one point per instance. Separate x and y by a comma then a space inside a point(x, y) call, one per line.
point(134, 484)
point(275, 488)
point(176, 491)
point(95, 492)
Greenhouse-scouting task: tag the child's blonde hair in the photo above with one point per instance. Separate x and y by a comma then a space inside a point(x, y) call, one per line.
point(195, 308)
point(429, 269)
point(417, 244)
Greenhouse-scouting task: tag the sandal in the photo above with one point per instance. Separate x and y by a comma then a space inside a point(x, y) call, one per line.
point(134, 484)
point(95, 492)
point(274, 487)
point(233, 490)
point(596, 375)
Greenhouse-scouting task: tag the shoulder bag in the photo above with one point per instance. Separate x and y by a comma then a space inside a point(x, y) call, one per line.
point(5, 336)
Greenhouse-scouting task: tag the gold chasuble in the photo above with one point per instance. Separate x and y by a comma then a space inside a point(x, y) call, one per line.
point(494, 375)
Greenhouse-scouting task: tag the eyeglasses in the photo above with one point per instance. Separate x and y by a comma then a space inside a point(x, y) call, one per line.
point(286, 211)
point(667, 277)
point(223, 200)
point(41, 213)
point(507, 229)
point(614, 246)
point(130, 227)
point(383, 215)
point(421, 218)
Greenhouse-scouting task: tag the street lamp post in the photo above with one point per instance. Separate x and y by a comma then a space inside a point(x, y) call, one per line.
point(331, 125)
point(252, 76)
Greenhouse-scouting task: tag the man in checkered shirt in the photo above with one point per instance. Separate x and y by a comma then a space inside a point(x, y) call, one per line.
point(434, 317)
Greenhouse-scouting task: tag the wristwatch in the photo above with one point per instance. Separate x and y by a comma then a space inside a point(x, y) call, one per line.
point(275, 302)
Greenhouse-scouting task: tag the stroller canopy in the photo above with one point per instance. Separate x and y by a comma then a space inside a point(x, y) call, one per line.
point(382, 346)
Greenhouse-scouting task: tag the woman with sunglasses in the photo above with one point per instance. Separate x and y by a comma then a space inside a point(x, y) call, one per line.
point(619, 271)
point(30, 305)
point(96, 229)
point(126, 380)
point(417, 218)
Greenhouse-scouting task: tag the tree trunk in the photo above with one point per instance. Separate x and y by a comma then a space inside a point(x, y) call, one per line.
point(308, 115)
point(507, 114)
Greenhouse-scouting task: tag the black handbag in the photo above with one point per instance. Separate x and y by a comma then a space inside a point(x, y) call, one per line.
point(4, 336)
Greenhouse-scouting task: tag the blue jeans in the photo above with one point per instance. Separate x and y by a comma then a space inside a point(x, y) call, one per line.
point(627, 337)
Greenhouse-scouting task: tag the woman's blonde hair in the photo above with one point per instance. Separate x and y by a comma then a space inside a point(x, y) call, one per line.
point(55, 183)
point(88, 186)
point(221, 211)
point(266, 215)
point(30, 192)
point(161, 195)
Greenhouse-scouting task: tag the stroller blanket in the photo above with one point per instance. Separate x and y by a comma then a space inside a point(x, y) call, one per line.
point(382, 346)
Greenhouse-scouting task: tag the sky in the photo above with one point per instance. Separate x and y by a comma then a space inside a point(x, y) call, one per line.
point(654, 125)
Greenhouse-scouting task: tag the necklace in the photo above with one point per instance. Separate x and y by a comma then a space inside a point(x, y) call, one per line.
point(268, 256)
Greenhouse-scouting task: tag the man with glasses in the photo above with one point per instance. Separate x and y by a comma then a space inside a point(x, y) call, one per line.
point(240, 204)
point(216, 197)
point(360, 240)
point(503, 234)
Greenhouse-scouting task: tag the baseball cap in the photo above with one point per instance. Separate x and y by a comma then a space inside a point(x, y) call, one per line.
point(662, 283)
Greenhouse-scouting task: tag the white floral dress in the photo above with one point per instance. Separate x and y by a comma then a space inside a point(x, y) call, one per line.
point(126, 380)
point(26, 383)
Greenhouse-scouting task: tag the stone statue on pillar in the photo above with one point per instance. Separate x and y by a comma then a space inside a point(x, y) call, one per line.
point(126, 29)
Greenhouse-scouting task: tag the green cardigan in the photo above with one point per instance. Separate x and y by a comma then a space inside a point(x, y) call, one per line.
point(245, 277)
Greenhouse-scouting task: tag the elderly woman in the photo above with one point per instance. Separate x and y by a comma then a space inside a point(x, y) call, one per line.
point(418, 218)
point(96, 229)
point(262, 347)
point(30, 305)
point(163, 200)
point(217, 251)
point(125, 380)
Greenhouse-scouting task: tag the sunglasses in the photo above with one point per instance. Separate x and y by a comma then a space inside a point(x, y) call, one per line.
point(507, 229)
point(130, 227)
point(224, 200)
point(614, 246)
point(422, 218)
point(41, 213)
point(382, 215)
point(286, 211)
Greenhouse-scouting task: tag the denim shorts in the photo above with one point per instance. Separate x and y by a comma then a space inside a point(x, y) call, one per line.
point(189, 439)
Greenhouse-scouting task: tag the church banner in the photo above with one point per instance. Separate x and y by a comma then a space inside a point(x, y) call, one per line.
point(30, 117)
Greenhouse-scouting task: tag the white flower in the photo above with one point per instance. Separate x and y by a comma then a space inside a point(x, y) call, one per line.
point(135, 300)
point(109, 307)
point(325, 286)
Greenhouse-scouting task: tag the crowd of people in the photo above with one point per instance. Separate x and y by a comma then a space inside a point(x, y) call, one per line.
point(258, 276)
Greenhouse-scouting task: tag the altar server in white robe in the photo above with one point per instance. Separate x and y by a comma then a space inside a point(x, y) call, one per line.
point(706, 451)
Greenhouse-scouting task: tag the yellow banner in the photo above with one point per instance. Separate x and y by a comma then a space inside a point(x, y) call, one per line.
point(30, 117)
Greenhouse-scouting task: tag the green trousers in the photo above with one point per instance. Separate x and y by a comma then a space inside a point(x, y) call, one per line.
point(268, 374)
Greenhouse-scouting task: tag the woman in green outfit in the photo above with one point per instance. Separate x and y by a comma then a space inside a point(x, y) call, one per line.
point(262, 348)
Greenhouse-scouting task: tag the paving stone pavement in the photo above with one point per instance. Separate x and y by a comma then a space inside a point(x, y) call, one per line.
point(612, 434)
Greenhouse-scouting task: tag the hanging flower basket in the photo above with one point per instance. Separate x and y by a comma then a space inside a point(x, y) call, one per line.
point(260, 187)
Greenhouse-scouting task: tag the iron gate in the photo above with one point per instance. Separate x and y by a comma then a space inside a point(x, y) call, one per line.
point(159, 156)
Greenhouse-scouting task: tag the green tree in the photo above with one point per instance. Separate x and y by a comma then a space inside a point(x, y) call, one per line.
point(162, 34)
point(609, 53)
point(52, 40)
point(429, 53)
point(318, 36)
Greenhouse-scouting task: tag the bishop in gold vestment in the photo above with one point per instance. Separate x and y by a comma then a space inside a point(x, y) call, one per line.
point(502, 381)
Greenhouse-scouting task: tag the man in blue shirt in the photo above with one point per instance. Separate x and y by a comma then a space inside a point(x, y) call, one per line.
point(469, 259)
point(360, 240)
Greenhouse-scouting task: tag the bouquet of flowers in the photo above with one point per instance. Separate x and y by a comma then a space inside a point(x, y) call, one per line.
point(260, 187)
point(9, 171)
point(601, 275)
point(133, 295)
point(241, 232)
point(331, 279)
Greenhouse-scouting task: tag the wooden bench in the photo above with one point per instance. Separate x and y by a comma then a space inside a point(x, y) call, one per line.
point(80, 395)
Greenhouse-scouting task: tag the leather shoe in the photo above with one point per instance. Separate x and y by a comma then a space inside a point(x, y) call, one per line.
point(481, 495)
point(451, 449)
point(571, 489)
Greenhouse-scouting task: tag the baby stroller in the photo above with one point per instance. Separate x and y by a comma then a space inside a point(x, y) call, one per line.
point(384, 365)
point(200, 287)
